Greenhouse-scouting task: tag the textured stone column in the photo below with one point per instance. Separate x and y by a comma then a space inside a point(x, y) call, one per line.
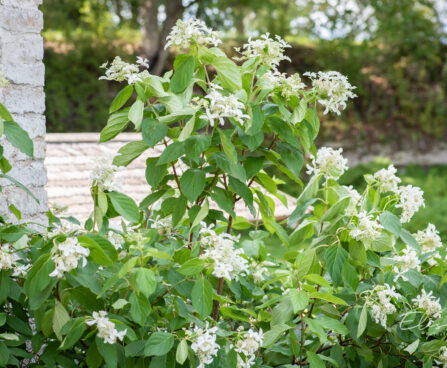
point(21, 54)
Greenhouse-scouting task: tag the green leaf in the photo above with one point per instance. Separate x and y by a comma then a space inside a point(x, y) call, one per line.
point(336, 210)
point(228, 72)
point(97, 254)
point(391, 223)
point(129, 152)
point(20, 185)
point(317, 279)
point(335, 257)
point(183, 75)
point(409, 239)
point(192, 183)
point(171, 153)
point(158, 344)
point(224, 200)
point(60, 318)
point(182, 352)
point(228, 147)
point(121, 98)
point(203, 212)
point(383, 243)
point(74, 334)
point(202, 297)
point(125, 206)
point(299, 299)
point(327, 297)
point(254, 125)
point(273, 334)
point(192, 267)
point(154, 173)
point(136, 114)
point(362, 321)
point(146, 282)
point(116, 124)
point(181, 203)
point(300, 210)
point(18, 137)
point(314, 360)
point(195, 145)
point(412, 347)
point(187, 130)
point(349, 276)
point(139, 308)
point(4, 113)
point(4, 354)
point(153, 131)
point(292, 157)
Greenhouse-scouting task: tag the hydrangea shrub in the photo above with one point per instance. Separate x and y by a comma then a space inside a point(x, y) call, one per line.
point(180, 280)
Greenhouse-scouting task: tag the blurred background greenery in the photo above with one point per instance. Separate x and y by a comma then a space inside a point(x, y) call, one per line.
point(394, 51)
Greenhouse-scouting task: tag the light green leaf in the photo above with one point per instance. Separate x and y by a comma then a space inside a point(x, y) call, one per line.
point(327, 297)
point(299, 299)
point(192, 183)
point(125, 206)
point(153, 131)
point(273, 334)
point(158, 344)
point(335, 257)
point(146, 282)
point(129, 152)
point(391, 223)
point(192, 267)
point(203, 212)
point(314, 360)
point(171, 153)
point(187, 130)
point(136, 114)
point(228, 72)
point(60, 318)
point(412, 347)
point(182, 352)
point(18, 137)
point(121, 98)
point(202, 297)
point(183, 75)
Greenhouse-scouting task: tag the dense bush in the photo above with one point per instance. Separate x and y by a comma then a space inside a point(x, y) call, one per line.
point(175, 285)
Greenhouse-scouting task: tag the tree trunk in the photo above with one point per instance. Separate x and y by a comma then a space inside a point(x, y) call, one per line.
point(149, 10)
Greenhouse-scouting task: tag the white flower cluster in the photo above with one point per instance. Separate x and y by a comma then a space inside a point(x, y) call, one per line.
point(428, 239)
point(367, 229)
point(21, 270)
point(204, 344)
point(218, 107)
point(355, 197)
point(106, 328)
point(407, 261)
point(228, 262)
point(289, 85)
point(116, 239)
point(184, 33)
point(3, 81)
point(163, 225)
point(64, 228)
point(270, 51)
point(381, 303)
point(442, 357)
point(103, 175)
point(7, 260)
point(429, 304)
point(120, 71)
point(333, 88)
point(411, 199)
point(57, 208)
point(66, 256)
point(387, 179)
point(329, 162)
point(248, 344)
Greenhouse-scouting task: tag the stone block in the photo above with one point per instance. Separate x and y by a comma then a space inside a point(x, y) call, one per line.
point(20, 73)
point(20, 20)
point(20, 99)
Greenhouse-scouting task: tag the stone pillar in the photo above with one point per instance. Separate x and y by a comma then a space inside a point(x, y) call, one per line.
point(21, 54)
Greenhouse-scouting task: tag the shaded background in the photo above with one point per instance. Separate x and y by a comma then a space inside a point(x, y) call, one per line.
point(394, 51)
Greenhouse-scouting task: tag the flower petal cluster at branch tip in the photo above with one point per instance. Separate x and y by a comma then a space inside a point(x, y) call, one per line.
point(204, 344)
point(248, 344)
point(221, 107)
point(355, 199)
point(191, 31)
point(106, 328)
point(442, 357)
point(407, 261)
point(3, 81)
point(7, 261)
point(288, 85)
point(103, 175)
point(163, 225)
point(429, 304)
point(270, 51)
point(65, 227)
point(428, 239)
point(333, 90)
point(387, 179)
point(21, 270)
point(411, 199)
point(57, 208)
point(381, 304)
point(120, 71)
point(116, 239)
point(329, 162)
point(367, 229)
point(228, 262)
point(66, 256)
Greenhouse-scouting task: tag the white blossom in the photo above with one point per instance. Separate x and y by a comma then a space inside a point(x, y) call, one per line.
point(367, 229)
point(65, 227)
point(116, 239)
point(407, 261)
point(248, 344)
point(66, 256)
point(442, 357)
point(163, 225)
point(355, 198)
point(3, 81)
point(270, 51)
point(220, 107)
point(106, 328)
point(411, 199)
point(191, 31)
point(57, 208)
point(429, 304)
point(387, 179)
point(333, 88)
point(121, 71)
point(428, 239)
point(7, 260)
point(288, 85)
point(329, 162)
point(381, 304)
point(204, 344)
point(21, 270)
point(228, 262)
point(103, 175)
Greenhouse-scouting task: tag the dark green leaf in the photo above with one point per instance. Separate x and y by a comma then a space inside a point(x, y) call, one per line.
point(183, 75)
point(153, 131)
point(172, 152)
point(391, 223)
point(202, 297)
point(335, 257)
point(125, 206)
point(158, 344)
point(192, 183)
point(154, 173)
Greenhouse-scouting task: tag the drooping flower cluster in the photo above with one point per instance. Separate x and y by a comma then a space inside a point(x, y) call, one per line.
point(428, 304)
point(329, 162)
point(106, 328)
point(380, 303)
point(7, 261)
point(411, 199)
point(204, 344)
point(66, 256)
point(367, 229)
point(228, 262)
point(116, 239)
point(121, 71)
point(270, 51)
point(428, 239)
point(387, 179)
point(103, 175)
point(288, 85)
point(248, 344)
point(3, 81)
point(190, 31)
point(442, 357)
point(407, 261)
point(355, 197)
point(333, 88)
point(218, 107)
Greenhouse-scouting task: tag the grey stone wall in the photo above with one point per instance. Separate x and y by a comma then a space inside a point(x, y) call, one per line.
point(21, 54)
